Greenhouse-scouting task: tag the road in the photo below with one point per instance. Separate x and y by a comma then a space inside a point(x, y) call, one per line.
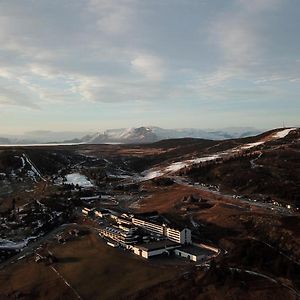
point(269, 206)
point(28, 250)
point(268, 277)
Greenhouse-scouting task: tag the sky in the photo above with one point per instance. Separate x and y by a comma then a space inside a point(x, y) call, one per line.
point(86, 65)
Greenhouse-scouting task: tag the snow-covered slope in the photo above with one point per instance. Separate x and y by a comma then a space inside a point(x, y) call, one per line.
point(178, 165)
point(283, 133)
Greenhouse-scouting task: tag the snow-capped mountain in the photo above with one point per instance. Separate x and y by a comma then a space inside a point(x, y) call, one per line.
point(127, 135)
point(144, 134)
point(152, 134)
point(41, 137)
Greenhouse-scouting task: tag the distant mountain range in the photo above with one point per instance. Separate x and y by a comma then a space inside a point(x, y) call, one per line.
point(128, 135)
point(153, 134)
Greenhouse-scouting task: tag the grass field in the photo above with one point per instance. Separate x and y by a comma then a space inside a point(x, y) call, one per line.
point(93, 269)
point(29, 280)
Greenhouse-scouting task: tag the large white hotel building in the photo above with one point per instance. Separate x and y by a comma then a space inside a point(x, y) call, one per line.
point(181, 236)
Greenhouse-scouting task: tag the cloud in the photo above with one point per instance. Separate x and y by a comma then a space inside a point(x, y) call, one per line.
point(112, 90)
point(149, 66)
point(246, 68)
point(43, 70)
point(239, 41)
point(53, 57)
point(274, 78)
point(129, 51)
point(113, 17)
point(259, 5)
point(11, 97)
point(218, 77)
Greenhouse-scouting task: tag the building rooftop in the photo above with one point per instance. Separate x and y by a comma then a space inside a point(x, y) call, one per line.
point(194, 250)
point(147, 214)
point(157, 245)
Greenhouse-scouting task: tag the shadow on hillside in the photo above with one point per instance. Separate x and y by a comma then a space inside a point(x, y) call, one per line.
point(70, 259)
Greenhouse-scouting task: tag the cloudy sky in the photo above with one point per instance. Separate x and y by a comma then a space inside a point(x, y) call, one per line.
point(97, 64)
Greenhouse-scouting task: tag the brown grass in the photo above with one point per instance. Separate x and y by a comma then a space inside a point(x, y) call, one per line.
point(92, 268)
point(164, 199)
point(32, 281)
point(102, 272)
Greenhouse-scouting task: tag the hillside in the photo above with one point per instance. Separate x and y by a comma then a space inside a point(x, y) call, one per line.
point(271, 171)
point(238, 195)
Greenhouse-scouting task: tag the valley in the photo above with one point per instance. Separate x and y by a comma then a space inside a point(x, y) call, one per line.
point(241, 196)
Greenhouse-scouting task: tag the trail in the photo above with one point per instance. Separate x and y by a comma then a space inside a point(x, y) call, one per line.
point(253, 162)
point(66, 282)
point(33, 168)
point(290, 258)
point(268, 278)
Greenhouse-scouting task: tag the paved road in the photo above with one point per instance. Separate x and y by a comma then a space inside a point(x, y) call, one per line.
point(28, 250)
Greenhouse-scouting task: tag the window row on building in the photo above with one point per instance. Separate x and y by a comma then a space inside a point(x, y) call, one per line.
point(119, 234)
point(181, 236)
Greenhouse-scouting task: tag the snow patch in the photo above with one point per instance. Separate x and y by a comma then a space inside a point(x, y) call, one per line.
point(90, 198)
point(251, 145)
point(151, 174)
point(81, 180)
point(174, 167)
point(177, 166)
point(6, 244)
point(283, 133)
point(41, 145)
point(34, 170)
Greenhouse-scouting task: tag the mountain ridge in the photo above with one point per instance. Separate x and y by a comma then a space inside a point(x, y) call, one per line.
point(152, 134)
point(132, 135)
